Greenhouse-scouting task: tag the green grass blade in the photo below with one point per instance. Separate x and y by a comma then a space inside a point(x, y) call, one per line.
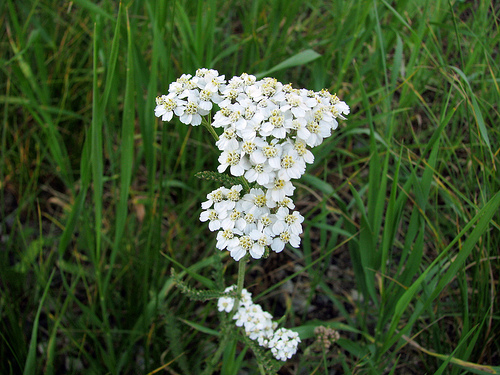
point(30, 365)
point(96, 151)
point(95, 9)
point(301, 58)
point(127, 146)
point(477, 113)
point(481, 221)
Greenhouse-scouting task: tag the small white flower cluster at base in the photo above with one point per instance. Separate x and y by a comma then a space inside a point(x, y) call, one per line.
point(259, 326)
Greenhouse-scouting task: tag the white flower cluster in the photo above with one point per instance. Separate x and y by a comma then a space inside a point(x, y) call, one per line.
point(190, 97)
point(250, 223)
point(259, 326)
point(267, 125)
point(267, 129)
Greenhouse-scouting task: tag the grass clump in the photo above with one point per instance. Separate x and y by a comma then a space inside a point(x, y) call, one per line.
point(98, 200)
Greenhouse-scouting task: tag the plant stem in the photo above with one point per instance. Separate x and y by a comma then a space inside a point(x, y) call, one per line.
point(241, 277)
point(225, 331)
point(245, 183)
point(222, 345)
point(241, 280)
point(210, 128)
point(261, 369)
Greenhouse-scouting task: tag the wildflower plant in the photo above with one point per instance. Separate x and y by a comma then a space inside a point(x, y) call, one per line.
point(265, 132)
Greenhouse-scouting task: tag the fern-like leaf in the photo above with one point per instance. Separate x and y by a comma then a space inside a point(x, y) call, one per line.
point(219, 177)
point(264, 356)
point(195, 294)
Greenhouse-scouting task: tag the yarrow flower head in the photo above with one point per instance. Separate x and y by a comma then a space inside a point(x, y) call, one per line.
point(190, 97)
point(247, 225)
point(258, 325)
point(267, 130)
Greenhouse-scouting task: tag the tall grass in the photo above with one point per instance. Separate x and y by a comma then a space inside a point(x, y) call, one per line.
point(99, 199)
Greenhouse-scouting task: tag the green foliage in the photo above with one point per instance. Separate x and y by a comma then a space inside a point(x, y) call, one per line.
point(195, 294)
point(224, 179)
point(174, 334)
point(99, 199)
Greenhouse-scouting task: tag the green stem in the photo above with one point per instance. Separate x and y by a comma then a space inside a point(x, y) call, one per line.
point(226, 332)
point(210, 128)
point(241, 280)
point(222, 345)
point(245, 183)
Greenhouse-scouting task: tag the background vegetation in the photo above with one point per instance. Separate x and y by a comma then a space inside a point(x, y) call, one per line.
point(98, 200)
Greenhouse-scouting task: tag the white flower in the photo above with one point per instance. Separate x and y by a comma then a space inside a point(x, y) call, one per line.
point(258, 325)
point(342, 108)
point(248, 79)
point(285, 202)
point(248, 147)
point(262, 173)
point(298, 125)
point(267, 128)
point(226, 238)
point(256, 197)
point(250, 222)
point(189, 113)
point(292, 166)
point(234, 219)
point(213, 217)
point(207, 98)
point(257, 250)
point(233, 194)
point(246, 298)
point(228, 141)
point(306, 155)
point(182, 83)
point(261, 241)
point(245, 243)
point(236, 117)
point(284, 344)
point(267, 152)
point(278, 190)
point(165, 106)
point(225, 304)
point(266, 221)
point(296, 104)
point(253, 125)
point(284, 237)
point(325, 116)
point(275, 124)
point(287, 221)
point(209, 79)
point(238, 165)
point(270, 86)
point(217, 196)
point(317, 133)
point(266, 106)
point(221, 118)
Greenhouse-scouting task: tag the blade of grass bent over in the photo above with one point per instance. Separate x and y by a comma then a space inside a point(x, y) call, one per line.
point(300, 58)
point(477, 115)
